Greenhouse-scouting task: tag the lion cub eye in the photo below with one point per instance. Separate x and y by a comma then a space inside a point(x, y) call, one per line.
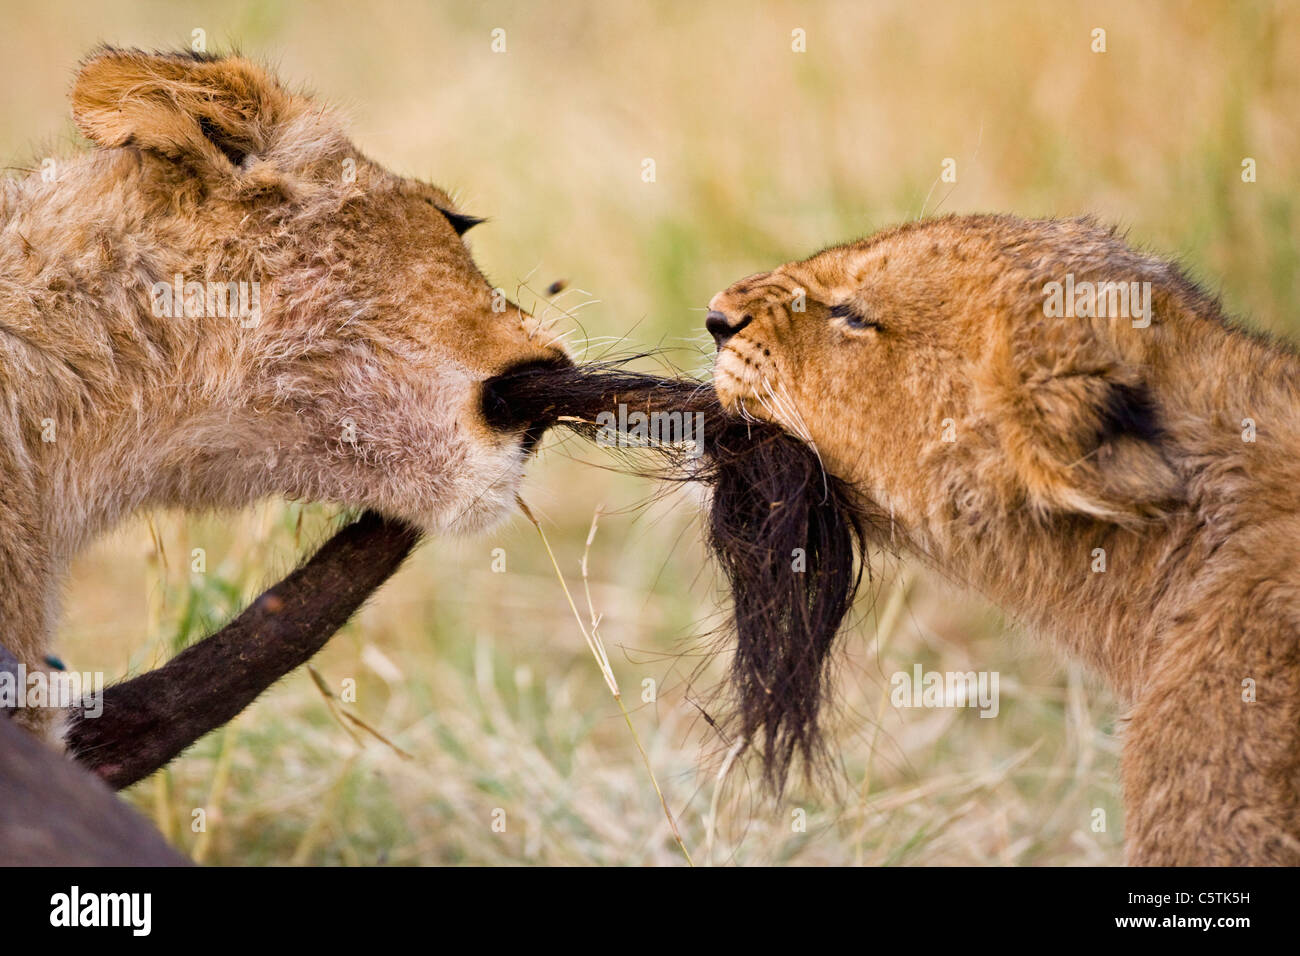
point(853, 318)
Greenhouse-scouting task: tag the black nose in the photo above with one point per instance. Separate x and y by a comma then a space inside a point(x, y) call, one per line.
point(721, 328)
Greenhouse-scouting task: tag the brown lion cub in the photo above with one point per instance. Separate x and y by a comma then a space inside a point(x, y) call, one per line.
point(225, 300)
point(1071, 427)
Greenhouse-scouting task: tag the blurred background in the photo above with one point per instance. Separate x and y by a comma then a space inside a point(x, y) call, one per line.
point(479, 680)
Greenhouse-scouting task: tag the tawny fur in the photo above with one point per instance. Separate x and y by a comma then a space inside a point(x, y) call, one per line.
point(359, 384)
point(1070, 435)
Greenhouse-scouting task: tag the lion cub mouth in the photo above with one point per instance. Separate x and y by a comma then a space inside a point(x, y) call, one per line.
point(740, 396)
point(508, 402)
point(740, 387)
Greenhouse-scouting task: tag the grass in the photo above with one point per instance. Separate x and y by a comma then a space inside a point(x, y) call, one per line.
point(761, 155)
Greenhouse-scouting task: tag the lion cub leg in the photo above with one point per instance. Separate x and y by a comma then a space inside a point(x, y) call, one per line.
point(26, 609)
point(1210, 767)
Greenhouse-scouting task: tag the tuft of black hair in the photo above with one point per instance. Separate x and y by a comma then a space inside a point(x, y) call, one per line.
point(788, 537)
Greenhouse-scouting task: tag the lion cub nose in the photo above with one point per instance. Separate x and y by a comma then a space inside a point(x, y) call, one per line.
point(722, 328)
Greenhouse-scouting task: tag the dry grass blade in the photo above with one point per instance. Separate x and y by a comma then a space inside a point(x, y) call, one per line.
point(341, 713)
point(602, 660)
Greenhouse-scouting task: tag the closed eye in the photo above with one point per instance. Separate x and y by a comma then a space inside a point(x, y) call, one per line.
point(854, 318)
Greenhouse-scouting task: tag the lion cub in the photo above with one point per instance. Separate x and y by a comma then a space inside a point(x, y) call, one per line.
point(1024, 397)
point(225, 300)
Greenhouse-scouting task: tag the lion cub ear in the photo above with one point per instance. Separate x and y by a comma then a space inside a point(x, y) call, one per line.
point(218, 111)
point(1079, 427)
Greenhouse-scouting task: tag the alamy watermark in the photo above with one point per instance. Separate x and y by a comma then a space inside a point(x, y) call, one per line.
point(64, 690)
point(946, 689)
point(624, 429)
point(180, 299)
point(133, 911)
point(1100, 300)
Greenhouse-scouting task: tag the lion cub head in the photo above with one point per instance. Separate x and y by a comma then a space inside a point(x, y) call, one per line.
point(279, 313)
point(935, 368)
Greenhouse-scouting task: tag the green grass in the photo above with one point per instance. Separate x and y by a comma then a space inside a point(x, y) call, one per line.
point(762, 155)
